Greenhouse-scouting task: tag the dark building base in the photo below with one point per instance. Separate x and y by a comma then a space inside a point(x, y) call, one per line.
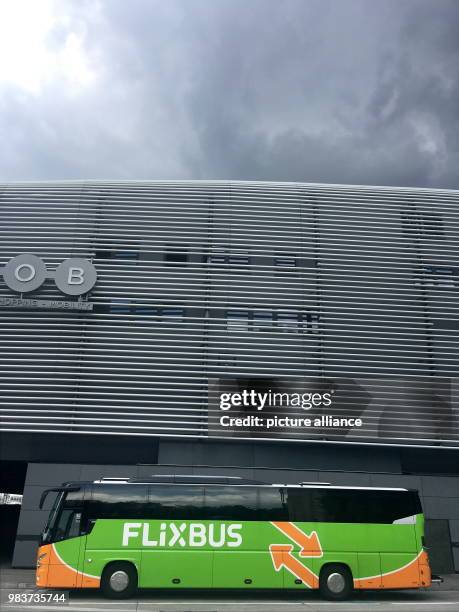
point(434, 472)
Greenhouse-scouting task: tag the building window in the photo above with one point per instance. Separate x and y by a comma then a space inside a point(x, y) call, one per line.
point(172, 314)
point(439, 276)
point(120, 306)
point(216, 256)
point(117, 250)
point(145, 310)
point(288, 321)
point(175, 255)
point(432, 225)
point(239, 258)
point(237, 320)
point(286, 261)
point(126, 306)
point(235, 258)
point(421, 224)
point(311, 322)
point(262, 319)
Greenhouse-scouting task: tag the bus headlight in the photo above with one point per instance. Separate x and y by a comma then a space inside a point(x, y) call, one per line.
point(42, 556)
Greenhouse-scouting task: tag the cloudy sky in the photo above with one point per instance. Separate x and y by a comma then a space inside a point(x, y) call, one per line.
point(344, 91)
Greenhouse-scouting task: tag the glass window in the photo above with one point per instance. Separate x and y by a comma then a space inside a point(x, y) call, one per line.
point(421, 224)
point(237, 320)
point(146, 310)
point(261, 319)
point(68, 520)
point(340, 505)
point(287, 321)
point(117, 501)
point(272, 504)
point(286, 261)
point(231, 503)
point(176, 255)
point(217, 255)
point(66, 525)
point(389, 506)
point(431, 225)
point(116, 253)
point(238, 258)
point(235, 257)
point(300, 505)
point(363, 506)
point(311, 323)
point(175, 502)
point(120, 306)
point(172, 313)
point(439, 276)
point(124, 254)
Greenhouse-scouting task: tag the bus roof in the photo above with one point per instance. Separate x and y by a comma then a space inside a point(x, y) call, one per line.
point(225, 480)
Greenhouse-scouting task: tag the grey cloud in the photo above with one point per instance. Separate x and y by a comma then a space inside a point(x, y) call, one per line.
point(345, 91)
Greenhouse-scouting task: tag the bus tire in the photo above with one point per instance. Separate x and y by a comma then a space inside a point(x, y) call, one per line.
point(335, 582)
point(119, 580)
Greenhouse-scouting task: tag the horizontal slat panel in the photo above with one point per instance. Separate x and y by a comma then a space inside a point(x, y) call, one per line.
point(269, 280)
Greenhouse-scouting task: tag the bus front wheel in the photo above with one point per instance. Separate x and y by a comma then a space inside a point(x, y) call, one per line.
point(335, 582)
point(119, 580)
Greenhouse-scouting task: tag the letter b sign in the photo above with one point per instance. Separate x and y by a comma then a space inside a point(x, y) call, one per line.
point(75, 276)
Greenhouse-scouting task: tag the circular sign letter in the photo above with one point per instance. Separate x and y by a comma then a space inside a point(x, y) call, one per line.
point(24, 273)
point(75, 276)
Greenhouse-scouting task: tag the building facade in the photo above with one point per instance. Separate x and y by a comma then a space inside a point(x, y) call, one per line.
point(204, 286)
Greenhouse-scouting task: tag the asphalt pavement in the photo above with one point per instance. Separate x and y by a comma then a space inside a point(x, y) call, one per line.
point(439, 597)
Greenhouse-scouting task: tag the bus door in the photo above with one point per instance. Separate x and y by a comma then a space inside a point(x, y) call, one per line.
point(66, 550)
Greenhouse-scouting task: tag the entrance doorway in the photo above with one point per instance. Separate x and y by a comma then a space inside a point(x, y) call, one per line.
point(12, 478)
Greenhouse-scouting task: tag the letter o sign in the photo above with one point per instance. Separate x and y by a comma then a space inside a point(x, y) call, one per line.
point(75, 276)
point(24, 273)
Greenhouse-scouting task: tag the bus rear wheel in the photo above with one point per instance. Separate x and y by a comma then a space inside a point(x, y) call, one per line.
point(119, 580)
point(335, 582)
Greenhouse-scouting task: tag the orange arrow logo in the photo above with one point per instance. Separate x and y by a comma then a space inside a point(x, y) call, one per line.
point(281, 555)
point(309, 544)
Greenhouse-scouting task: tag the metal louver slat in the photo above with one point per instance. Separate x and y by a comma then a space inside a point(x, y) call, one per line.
point(205, 280)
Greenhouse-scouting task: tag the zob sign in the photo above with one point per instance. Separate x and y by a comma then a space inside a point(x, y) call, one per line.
point(26, 273)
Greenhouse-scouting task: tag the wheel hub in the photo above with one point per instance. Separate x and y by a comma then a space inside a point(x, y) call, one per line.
point(336, 582)
point(119, 580)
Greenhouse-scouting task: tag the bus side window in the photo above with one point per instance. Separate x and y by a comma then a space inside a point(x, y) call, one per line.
point(230, 503)
point(68, 525)
point(300, 505)
point(68, 522)
point(73, 525)
point(114, 501)
point(271, 505)
point(175, 502)
point(341, 506)
point(389, 506)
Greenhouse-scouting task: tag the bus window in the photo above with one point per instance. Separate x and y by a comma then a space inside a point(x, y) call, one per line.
point(230, 503)
point(68, 517)
point(340, 505)
point(68, 525)
point(300, 505)
point(117, 501)
point(271, 504)
point(390, 506)
point(175, 502)
point(364, 506)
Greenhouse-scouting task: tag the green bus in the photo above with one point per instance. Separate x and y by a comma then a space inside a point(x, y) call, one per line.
point(228, 533)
